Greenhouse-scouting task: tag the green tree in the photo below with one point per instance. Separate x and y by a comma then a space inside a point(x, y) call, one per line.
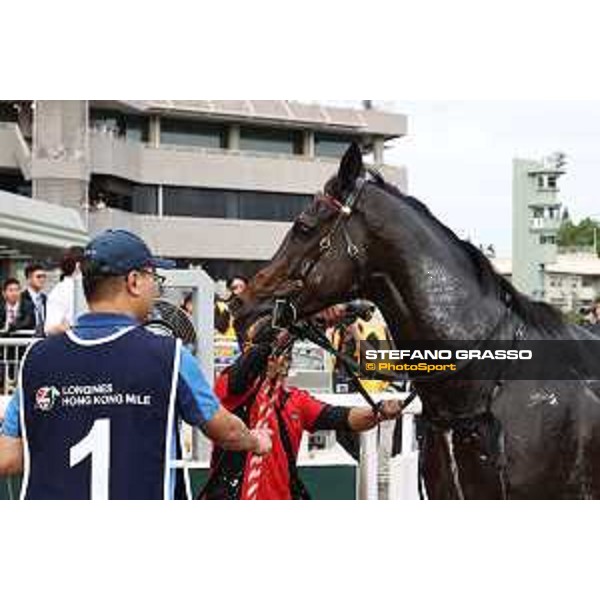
point(578, 234)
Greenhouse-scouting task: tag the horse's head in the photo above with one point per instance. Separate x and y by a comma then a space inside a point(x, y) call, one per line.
point(322, 260)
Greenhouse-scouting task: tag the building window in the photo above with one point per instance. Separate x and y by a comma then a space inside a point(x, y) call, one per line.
point(552, 182)
point(193, 202)
point(144, 199)
point(538, 213)
point(232, 204)
point(124, 195)
point(262, 206)
point(332, 145)
point(276, 141)
point(193, 133)
point(547, 239)
point(587, 281)
point(131, 127)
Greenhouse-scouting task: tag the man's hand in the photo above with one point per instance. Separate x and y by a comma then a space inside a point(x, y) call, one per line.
point(364, 418)
point(390, 410)
point(264, 444)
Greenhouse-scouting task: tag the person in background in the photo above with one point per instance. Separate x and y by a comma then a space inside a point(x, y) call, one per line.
point(227, 346)
point(222, 318)
point(9, 311)
point(9, 307)
point(353, 326)
point(32, 305)
point(60, 307)
point(236, 285)
point(187, 304)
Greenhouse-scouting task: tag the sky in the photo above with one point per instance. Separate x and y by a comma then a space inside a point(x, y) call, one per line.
point(459, 158)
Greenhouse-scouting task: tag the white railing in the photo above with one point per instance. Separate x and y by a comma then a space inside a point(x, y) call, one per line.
point(403, 469)
point(12, 350)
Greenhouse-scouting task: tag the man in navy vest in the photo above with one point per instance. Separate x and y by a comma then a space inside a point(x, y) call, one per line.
point(97, 408)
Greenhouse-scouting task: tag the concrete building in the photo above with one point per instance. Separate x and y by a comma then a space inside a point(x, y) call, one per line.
point(573, 282)
point(570, 283)
point(209, 182)
point(536, 221)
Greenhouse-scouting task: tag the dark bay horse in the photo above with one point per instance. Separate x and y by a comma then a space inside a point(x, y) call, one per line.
point(363, 238)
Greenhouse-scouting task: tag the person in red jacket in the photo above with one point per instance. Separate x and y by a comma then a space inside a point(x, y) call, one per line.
point(254, 388)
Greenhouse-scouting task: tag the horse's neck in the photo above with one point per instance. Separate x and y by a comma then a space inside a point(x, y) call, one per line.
point(384, 293)
point(427, 274)
point(470, 318)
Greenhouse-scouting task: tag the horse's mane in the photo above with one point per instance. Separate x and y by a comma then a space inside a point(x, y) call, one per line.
point(536, 314)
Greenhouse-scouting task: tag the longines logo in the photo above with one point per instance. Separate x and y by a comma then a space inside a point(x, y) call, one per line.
point(45, 398)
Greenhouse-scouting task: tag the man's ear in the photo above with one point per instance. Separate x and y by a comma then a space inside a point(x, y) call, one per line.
point(131, 283)
point(351, 167)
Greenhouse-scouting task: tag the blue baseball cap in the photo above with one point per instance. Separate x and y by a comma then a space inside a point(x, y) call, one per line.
point(117, 252)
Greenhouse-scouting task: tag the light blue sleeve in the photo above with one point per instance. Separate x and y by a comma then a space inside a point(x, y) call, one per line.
point(11, 426)
point(196, 401)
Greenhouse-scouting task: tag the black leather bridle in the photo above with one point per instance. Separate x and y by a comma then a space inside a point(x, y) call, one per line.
point(345, 208)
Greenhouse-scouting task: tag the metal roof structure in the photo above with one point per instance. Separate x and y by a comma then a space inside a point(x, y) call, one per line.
point(39, 223)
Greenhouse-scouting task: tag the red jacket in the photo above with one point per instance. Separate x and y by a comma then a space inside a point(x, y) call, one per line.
point(299, 411)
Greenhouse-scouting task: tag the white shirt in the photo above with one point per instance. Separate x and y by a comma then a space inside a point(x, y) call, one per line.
point(11, 308)
point(38, 306)
point(60, 307)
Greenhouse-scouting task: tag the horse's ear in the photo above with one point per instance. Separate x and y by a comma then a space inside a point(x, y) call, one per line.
point(351, 167)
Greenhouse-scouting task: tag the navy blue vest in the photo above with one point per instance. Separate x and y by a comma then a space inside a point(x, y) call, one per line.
point(98, 416)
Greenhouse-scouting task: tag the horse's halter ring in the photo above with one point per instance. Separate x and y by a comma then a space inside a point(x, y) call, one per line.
point(285, 311)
